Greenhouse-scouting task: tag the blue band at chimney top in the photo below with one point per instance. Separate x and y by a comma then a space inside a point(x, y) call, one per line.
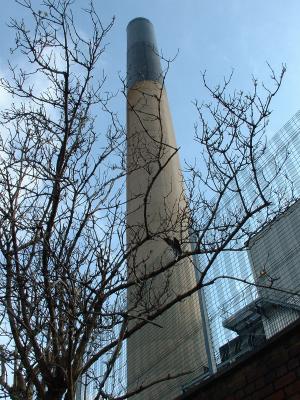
point(143, 61)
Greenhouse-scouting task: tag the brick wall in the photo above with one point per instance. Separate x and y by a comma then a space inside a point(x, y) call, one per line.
point(270, 373)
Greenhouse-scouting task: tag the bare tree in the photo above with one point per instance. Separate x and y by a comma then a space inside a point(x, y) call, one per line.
point(62, 207)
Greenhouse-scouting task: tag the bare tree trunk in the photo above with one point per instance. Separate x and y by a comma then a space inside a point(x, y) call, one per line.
point(54, 395)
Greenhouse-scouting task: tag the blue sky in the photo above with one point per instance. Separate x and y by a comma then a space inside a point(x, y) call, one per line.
point(211, 35)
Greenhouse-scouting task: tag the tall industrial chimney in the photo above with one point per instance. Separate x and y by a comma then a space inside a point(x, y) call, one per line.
point(156, 214)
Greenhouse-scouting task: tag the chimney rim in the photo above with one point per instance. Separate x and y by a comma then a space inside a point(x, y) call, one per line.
point(137, 19)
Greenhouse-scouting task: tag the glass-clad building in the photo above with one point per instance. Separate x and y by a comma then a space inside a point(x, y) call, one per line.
point(238, 313)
